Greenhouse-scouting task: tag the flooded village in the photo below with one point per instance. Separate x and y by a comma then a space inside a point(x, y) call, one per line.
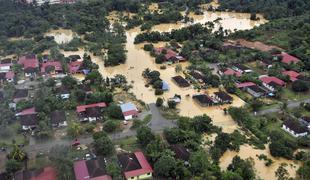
point(185, 86)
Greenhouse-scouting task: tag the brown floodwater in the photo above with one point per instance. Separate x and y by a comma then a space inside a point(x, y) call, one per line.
point(262, 171)
point(61, 36)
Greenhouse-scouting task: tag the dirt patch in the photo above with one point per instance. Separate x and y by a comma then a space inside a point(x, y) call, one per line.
point(252, 45)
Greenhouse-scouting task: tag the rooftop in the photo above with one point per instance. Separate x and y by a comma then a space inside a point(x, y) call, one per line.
point(223, 96)
point(82, 108)
point(181, 81)
point(245, 84)
point(29, 120)
point(21, 93)
point(91, 169)
point(180, 152)
point(288, 59)
point(295, 126)
point(58, 117)
point(48, 173)
point(204, 99)
point(270, 79)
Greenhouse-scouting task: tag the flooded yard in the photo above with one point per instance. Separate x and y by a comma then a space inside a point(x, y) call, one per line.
point(61, 36)
point(262, 171)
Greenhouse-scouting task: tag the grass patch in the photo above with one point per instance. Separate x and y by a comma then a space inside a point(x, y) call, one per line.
point(14, 135)
point(128, 144)
point(291, 95)
point(171, 114)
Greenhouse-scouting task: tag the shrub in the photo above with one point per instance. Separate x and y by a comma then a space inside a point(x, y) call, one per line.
point(159, 92)
point(159, 102)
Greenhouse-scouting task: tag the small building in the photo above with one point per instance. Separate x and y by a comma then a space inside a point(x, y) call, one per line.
point(6, 65)
point(180, 81)
point(305, 120)
point(30, 64)
point(292, 74)
point(256, 91)
point(176, 98)
point(7, 76)
point(90, 112)
point(204, 100)
point(287, 58)
point(135, 166)
point(165, 86)
point(244, 85)
point(271, 82)
point(129, 111)
point(94, 169)
point(47, 173)
point(241, 68)
point(199, 76)
point(295, 128)
point(51, 68)
point(20, 94)
point(231, 72)
point(223, 97)
point(75, 67)
point(58, 119)
point(29, 122)
point(27, 111)
point(63, 92)
point(181, 152)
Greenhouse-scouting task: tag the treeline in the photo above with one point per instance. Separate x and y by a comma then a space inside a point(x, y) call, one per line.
point(271, 9)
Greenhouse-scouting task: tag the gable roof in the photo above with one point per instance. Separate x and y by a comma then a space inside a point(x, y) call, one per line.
point(270, 79)
point(48, 173)
point(170, 53)
point(134, 164)
point(29, 120)
point(20, 93)
point(56, 64)
point(292, 74)
point(257, 89)
point(27, 111)
point(180, 152)
point(129, 109)
point(75, 66)
point(82, 108)
point(306, 118)
point(58, 117)
point(245, 84)
point(223, 96)
point(29, 61)
point(231, 72)
point(203, 99)
point(295, 126)
point(181, 81)
point(288, 59)
point(93, 112)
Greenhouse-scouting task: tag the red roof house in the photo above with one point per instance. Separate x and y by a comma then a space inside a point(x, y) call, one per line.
point(269, 79)
point(83, 108)
point(245, 84)
point(48, 173)
point(51, 67)
point(29, 61)
point(135, 165)
point(74, 67)
point(292, 74)
point(231, 72)
point(28, 111)
point(288, 59)
point(170, 54)
point(9, 75)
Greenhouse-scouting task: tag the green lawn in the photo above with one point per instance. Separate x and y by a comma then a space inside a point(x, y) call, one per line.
point(12, 131)
point(128, 144)
point(291, 95)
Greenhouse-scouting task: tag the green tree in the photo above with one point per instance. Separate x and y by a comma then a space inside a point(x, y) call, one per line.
point(114, 111)
point(159, 102)
point(282, 173)
point(12, 166)
point(74, 130)
point(145, 136)
point(103, 145)
point(199, 162)
point(165, 166)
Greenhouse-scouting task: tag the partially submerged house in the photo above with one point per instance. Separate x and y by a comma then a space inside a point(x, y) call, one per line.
point(135, 165)
point(199, 76)
point(51, 68)
point(58, 118)
point(90, 112)
point(271, 82)
point(94, 169)
point(180, 81)
point(47, 173)
point(204, 100)
point(30, 64)
point(129, 111)
point(75, 67)
point(169, 54)
point(165, 86)
point(295, 128)
point(223, 97)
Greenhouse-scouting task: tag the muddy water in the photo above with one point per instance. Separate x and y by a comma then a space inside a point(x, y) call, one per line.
point(61, 36)
point(262, 171)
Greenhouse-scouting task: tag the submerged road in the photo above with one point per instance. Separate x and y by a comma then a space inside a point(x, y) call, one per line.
point(158, 123)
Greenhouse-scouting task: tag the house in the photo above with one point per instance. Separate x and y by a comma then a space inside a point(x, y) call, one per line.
point(181, 152)
point(292, 74)
point(75, 67)
point(6, 65)
point(129, 110)
point(241, 68)
point(90, 112)
point(58, 119)
point(7, 76)
point(180, 81)
point(305, 120)
point(135, 166)
point(266, 63)
point(47, 173)
point(223, 97)
point(256, 91)
point(244, 85)
point(63, 92)
point(94, 169)
point(287, 58)
point(198, 76)
point(28, 111)
point(29, 122)
point(169, 54)
point(295, 128)
point(51, 68)
point(271, 82)
point(30, 64)
point(20, 94)
point(204, 100)
point(176, 98)
point(231, 72)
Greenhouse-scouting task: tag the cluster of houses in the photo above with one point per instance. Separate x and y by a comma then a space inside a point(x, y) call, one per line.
point(297, 128)
point(269, 84)
point(133, 166)
point(169, 55)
